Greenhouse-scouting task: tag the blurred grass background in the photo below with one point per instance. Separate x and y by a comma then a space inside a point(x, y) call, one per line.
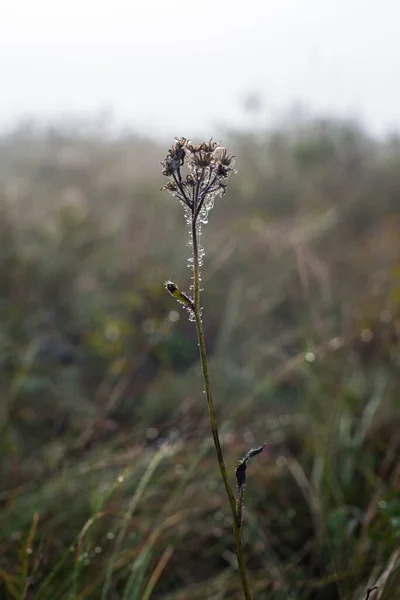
point(109, 487)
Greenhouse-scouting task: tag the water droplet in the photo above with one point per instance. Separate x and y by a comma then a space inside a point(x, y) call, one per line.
point(335, 343)
point(173, 316)
point(112, 332)
point(367, 335)
point(310, 357)
point(386, 316)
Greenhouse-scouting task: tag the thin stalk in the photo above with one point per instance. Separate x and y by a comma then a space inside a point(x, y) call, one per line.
point(211, 410)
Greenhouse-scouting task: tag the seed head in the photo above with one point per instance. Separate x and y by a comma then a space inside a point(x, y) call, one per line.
point(209, 166)
point(202, 159)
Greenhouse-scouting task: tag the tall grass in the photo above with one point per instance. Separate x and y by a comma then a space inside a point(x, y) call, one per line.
point(100, 377)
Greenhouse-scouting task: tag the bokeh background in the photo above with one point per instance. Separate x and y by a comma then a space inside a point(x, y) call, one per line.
point(109, 488)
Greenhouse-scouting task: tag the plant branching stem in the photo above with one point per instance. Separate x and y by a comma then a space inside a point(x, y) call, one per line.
point(211, 410)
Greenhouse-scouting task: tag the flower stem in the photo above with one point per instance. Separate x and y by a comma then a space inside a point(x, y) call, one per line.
point(211, 410)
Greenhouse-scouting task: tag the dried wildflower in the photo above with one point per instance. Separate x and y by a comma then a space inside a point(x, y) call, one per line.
point(209, 166)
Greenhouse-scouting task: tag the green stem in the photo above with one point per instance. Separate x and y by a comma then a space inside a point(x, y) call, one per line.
point(211, 411)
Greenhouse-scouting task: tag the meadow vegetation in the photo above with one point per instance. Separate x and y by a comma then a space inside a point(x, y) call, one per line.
point(109, 487)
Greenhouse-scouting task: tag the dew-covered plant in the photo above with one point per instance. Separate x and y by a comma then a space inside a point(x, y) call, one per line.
point(197, 175)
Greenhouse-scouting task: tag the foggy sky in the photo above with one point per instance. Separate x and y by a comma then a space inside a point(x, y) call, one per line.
point(178, 68)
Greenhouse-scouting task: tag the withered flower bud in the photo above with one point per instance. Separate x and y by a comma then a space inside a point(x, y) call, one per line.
point(188, 182)
point(168, 166)
point(194, 149)
point(202, 159)
point(209, 146)
point(177, 152)
point(222, 171)
point(225, 158)
point(169, 187)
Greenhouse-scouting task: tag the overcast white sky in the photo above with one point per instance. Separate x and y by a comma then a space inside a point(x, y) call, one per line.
point(182, 67)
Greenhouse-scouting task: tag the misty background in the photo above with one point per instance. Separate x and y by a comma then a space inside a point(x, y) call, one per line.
point(185, 68)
